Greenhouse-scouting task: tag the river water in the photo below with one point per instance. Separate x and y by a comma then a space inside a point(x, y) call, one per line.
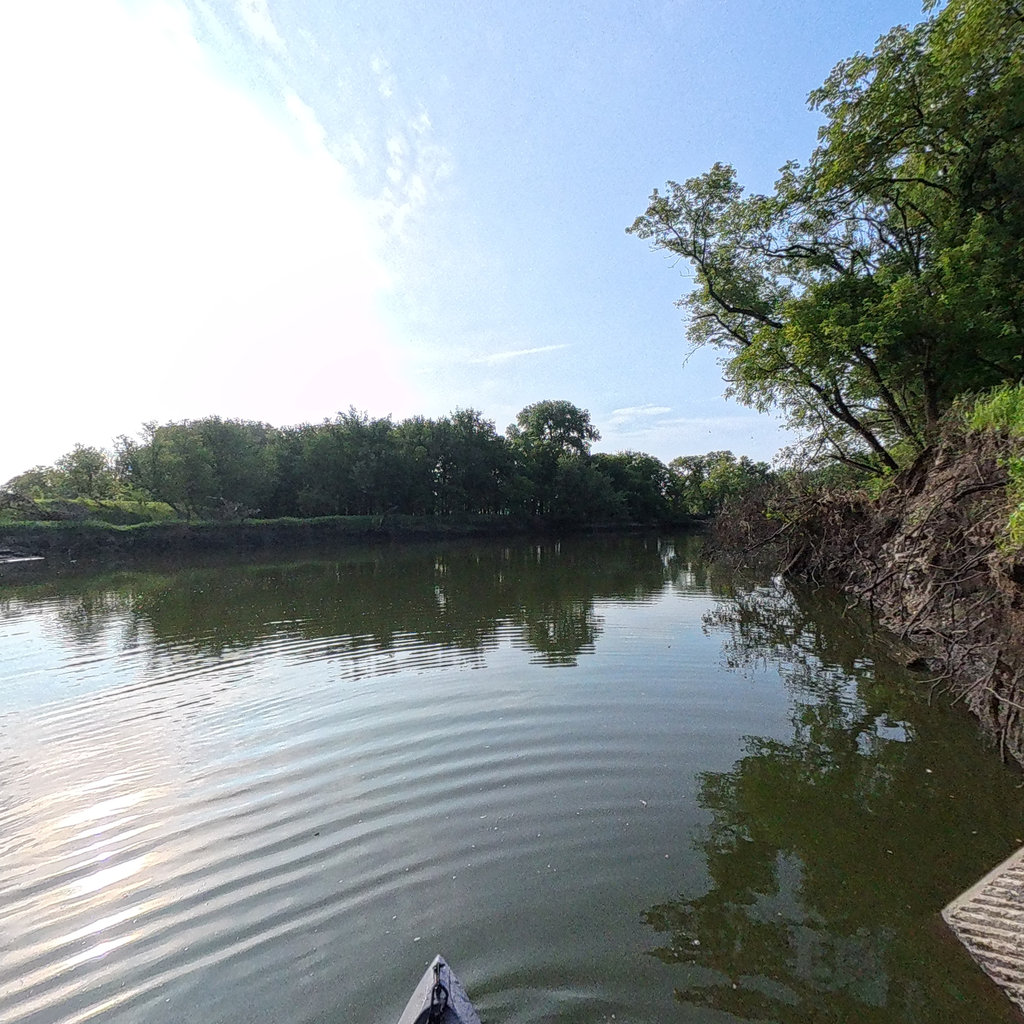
point(605, 780)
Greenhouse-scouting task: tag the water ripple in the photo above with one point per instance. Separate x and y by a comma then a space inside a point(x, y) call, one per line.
point(270, 828)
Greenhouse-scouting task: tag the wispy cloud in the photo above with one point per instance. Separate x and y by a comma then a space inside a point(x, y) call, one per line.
point(416, 166)
point(632, 413)
point(503, 357)
point(386, 82)
point(312, 130)
point(746, 433)
point(255, 16)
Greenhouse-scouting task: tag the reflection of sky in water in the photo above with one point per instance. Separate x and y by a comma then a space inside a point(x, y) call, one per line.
point(886, 729)
point(186, 824)
point(84, 866)
point(39, 664)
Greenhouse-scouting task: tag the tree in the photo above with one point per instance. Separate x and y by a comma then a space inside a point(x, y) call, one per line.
point(419, 447)
point(581, 494)
point(172, 464)
point(641, 481)
point(545, 433)
point(874, 285)
point(474, 463)
point(244, 462)
point(37, 482)
point(349, 466)
point(85, 472)
point(702, 484)
point(210, 467)
point(554, 426)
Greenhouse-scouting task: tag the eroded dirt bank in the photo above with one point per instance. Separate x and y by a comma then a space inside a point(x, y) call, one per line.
point(928, 559)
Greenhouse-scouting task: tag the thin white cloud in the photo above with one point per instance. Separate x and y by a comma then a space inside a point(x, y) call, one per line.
point(397, 149)
point(352, 150)
point(503, 357)
point(386, 82)
point(255, 16)
point(713, 422)
point(635, 412)
point(752, 434)
point(415, 169)
point(416, 190)
point(310, 126)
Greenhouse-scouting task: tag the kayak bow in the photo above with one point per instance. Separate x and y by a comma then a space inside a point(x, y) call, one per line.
point(439, 999)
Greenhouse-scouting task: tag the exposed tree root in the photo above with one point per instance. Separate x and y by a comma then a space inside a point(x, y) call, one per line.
point(926, 559)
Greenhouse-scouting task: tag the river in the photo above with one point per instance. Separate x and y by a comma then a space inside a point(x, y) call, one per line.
point(606, 780)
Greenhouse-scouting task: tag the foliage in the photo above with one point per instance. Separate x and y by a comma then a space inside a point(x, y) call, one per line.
point(1002, 410)
point(643, 483)
point(206, 467)
point(84, 472)
point(702, 485)
point(884, 278)
point(554, 426)
point(354, 465)
point(37, 482)
point(582, 494)
point(544, 438)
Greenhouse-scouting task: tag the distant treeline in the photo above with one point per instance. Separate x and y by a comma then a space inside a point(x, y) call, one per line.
point(542, 468)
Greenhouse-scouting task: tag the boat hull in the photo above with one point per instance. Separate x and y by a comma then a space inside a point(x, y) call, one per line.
point(459, 1010)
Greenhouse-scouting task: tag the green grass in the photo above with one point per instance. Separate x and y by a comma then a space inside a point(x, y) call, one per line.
point(1002, 411)
point(114, 511)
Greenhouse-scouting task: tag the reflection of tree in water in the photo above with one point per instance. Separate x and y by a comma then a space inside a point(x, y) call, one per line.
point(461, 597)
point(830, 854)
point(561, 632)
point(80, 617)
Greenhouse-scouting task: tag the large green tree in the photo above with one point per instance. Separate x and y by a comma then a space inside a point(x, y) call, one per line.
point(473, 464)
point(544, 434)
point(202, 467)
point(885, 277)
point(83, 472)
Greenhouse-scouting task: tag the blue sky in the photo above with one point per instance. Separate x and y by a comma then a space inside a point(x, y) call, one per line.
point(276, 210)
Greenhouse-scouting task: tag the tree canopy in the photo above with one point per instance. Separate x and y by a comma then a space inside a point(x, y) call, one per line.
point(556, 426)
point(885, 277)
point(357, 465)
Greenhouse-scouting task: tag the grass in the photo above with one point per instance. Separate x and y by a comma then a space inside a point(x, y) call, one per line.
point(1002, 411)
point(114, 511)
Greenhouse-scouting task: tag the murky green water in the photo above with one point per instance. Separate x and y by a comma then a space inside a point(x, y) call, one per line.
point(605, 780)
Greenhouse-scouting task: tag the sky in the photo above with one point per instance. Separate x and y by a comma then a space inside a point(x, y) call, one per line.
point(276, 210)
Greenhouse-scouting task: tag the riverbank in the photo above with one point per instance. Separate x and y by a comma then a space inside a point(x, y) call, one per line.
point(930, 560)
